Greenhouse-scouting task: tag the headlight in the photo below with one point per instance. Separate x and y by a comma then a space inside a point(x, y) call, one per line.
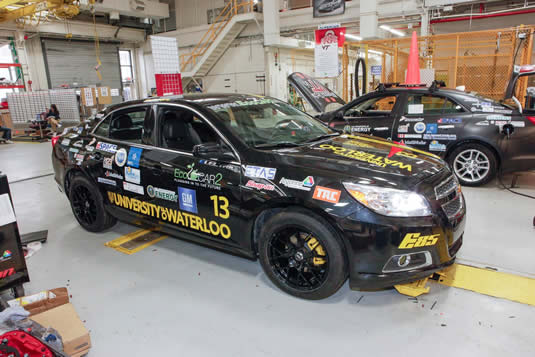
point(388, 201)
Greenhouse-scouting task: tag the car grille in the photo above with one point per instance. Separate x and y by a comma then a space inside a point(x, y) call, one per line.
point(446, 187)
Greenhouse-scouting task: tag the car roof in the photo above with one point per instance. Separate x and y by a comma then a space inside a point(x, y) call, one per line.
point(197, 98)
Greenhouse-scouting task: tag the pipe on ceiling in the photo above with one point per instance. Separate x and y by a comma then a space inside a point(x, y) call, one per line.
point(485, 16)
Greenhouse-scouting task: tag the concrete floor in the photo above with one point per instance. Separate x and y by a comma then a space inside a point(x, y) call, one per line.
point(177, 298)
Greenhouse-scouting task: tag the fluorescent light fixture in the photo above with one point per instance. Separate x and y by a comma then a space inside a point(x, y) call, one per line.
point(353, 37)
point(375, 52)
point(391, 30)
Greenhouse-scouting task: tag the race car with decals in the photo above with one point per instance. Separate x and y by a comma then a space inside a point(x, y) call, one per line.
point(255, 177)
point(477, 136)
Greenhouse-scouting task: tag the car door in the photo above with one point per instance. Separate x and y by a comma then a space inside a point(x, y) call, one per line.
point(431, 121)
point(194, 194)
point(117, 158)
point(375, 115)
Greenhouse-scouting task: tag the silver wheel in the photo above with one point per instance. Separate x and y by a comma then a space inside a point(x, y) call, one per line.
point(471, 165)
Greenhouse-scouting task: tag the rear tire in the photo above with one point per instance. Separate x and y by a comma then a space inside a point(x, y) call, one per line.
point(87, 205)
point(473, 164)
point(301, 253)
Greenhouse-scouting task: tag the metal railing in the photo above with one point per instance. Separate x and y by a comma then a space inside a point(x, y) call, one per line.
point(233, 8)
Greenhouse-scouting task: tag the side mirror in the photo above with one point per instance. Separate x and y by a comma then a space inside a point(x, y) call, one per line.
point(212, 151)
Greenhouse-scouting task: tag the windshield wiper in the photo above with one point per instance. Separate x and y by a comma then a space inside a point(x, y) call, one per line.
point(282, 144)
point(321, 137)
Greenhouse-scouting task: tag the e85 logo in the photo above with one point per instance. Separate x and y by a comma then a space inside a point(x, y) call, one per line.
point(415, 240)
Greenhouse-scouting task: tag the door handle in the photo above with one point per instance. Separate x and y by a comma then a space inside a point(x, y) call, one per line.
point(157, 170)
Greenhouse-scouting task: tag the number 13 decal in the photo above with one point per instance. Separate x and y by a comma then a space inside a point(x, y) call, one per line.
point(220, 206)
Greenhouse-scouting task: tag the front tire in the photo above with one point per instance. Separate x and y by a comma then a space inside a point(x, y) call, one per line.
point(301, 253)
point(87, 205)
point(473, 164)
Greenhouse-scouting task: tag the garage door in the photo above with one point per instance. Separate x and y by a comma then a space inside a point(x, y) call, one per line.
point(70, 62)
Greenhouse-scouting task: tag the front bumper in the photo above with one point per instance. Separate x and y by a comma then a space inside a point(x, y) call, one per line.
point(375, 243)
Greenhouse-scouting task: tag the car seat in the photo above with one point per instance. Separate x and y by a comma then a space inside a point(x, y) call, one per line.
point(122, 128)
point(178, 132)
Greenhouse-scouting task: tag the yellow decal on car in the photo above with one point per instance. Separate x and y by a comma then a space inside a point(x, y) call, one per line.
point(416, 240)
point(177, 217)
point(392, 144)
point(367, 157)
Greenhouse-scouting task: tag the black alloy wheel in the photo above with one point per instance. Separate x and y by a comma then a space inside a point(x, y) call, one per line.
point(298, 259)
point(84, 205)
point(302, 254)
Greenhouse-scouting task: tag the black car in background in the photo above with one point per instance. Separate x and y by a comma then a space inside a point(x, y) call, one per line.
point(255, 177)
point(477, 136)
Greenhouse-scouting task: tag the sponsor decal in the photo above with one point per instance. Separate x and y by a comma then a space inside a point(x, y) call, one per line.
point(499, 122)
point(446, 126)
point(326, 194)
point(474, 100)
point(403, 128)
point(411, 120)
point(518, 124)
point(73, 150)
point(241, 103)
point(416, 240)
point(503, 111)
point(260, 186)
point(415, 109)
point(132, 175)
point(305, 185)
point(107, 181)
point(450, 121)
point(79, 158)
point(113, 175)
point(483, 123)
point(431, 128)
point(107, 147)
point(183, 219)
point(93, 141)
point(156, 192)
point(133, 157)
point(498, 117)
point(382, 128)
point(419, 128)
point(89, 148)
point(80, 130)
point(267, 173)
point(120, 157)
point(198, 178)
point(6, 273)
point(487, 109)
point(187, 199)
point(368, 157)
point(360, 129)
point(208, 162)
point(133, 188)
point(436, 146)
point(78, 144)
point(440, 137)
point(73, 136)
point(107, 163)
point(65, 142)
point(410, 136)
point(6, 256)
point(415, 142)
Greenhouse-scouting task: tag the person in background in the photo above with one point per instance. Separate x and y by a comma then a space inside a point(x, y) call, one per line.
point(7, 134)
point(53, 117)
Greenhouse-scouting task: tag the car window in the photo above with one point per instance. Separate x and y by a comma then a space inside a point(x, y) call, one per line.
point(181, 129)
point(428, 104)
point(127, 124)
point(104, 128)
point(377, 106)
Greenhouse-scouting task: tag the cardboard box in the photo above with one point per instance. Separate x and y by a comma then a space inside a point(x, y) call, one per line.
point(43, 301)
point(5, 119)
point(65, 320)
point(104, 95)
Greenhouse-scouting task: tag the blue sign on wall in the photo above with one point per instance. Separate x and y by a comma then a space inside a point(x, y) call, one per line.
point(376, 70)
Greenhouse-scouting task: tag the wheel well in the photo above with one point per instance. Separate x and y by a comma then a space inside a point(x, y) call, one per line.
point(475, 141)
point(69, 176)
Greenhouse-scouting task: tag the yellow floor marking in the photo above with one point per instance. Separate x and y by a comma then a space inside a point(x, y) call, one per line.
point(413, 289)
point(489, 282)
point(135, 241)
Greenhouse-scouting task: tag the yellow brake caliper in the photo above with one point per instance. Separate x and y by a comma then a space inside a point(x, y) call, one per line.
point(314, 245)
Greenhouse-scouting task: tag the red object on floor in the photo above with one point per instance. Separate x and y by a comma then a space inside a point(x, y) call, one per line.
point(19, 343)
point(168, 84)
point(413, 69)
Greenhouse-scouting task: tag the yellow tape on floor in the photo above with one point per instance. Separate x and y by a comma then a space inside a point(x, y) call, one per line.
point(135, 241)
point(490, 282)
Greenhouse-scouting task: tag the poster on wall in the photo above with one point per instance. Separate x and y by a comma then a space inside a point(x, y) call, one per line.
point(326, 51)
point(329, 7)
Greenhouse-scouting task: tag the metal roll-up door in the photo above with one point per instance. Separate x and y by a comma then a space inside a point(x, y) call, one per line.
point(70, 62)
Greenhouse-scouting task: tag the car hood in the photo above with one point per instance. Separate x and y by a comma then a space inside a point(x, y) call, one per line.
point(315, 93)
point(361, 156)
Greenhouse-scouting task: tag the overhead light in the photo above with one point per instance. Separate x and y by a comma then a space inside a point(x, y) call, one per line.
point(375, 52)
point(391, 30)
point(353, 37)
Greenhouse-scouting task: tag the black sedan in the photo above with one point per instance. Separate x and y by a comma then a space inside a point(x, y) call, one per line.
point(255, 177)
point(477, 136)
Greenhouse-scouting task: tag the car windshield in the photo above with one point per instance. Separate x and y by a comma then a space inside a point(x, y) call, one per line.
point(266, 122)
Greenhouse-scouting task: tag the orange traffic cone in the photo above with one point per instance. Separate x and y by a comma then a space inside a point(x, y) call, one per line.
point(413, 69)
